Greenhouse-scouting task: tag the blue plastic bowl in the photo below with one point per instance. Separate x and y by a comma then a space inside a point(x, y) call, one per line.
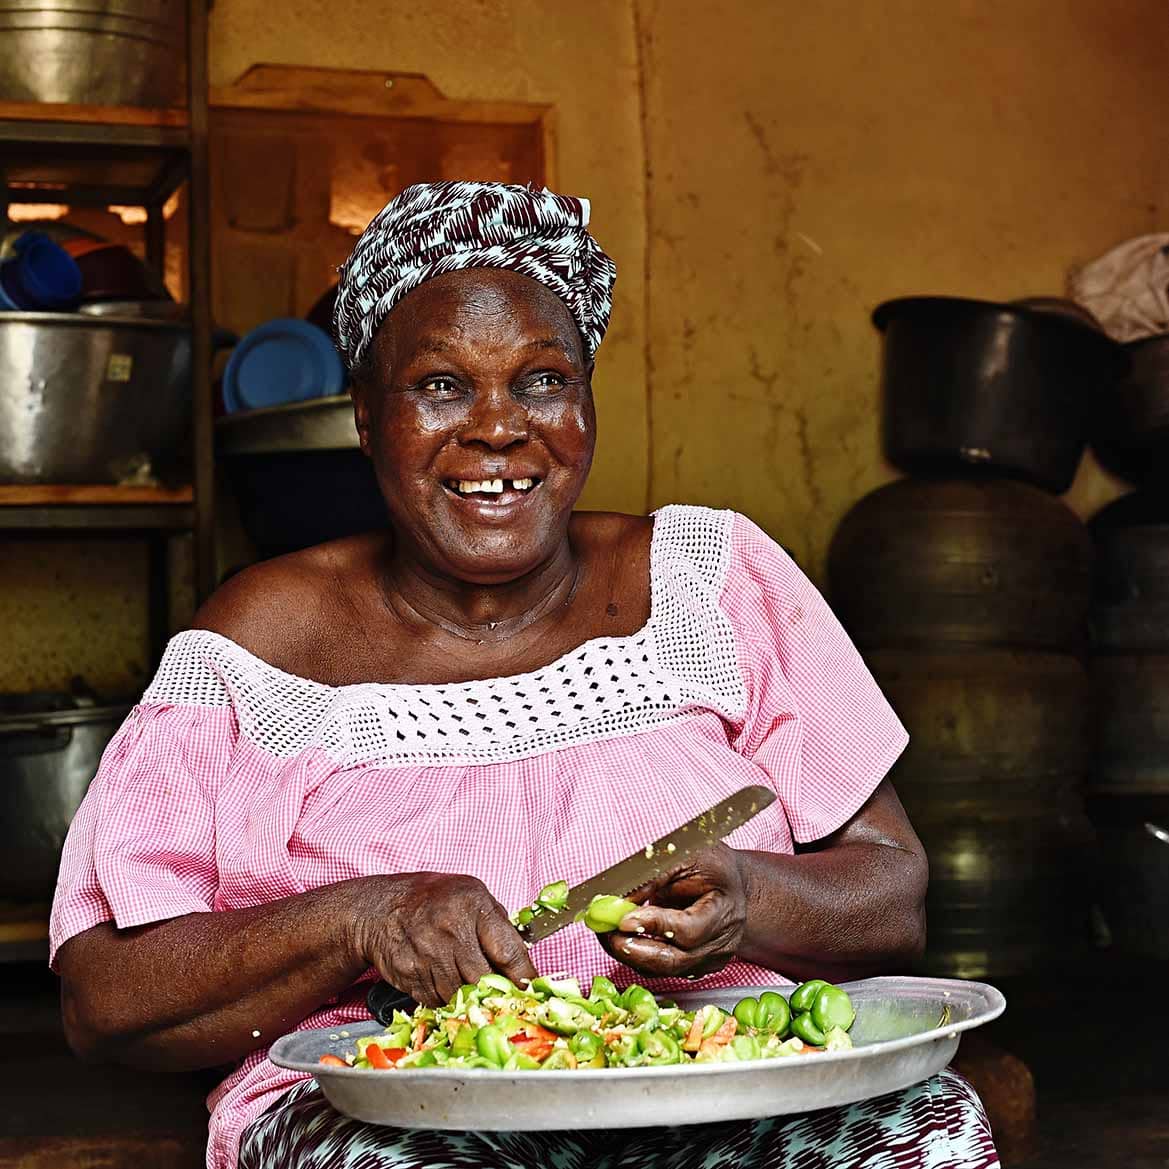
point(281, 361)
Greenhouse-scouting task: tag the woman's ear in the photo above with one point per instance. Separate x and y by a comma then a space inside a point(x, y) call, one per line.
point(358, 391)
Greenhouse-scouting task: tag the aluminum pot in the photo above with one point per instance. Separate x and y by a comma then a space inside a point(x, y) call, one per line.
point(1006, 387)
point(50, 747)
point(115, 52)
point(84, 400)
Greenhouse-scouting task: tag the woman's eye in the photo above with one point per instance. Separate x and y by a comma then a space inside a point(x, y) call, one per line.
point(546, 382)
point(440, 387)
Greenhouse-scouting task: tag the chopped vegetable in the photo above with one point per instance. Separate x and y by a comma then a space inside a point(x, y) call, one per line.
point(549, 1024)
point(604, 913)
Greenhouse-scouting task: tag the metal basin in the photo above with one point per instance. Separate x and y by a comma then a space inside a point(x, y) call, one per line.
point(47, 759)
point(86, 400)
point(100, 52)
point(907, 1029)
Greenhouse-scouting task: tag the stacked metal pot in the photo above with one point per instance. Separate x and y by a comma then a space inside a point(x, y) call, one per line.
point(1129, 791)
point(967, 587)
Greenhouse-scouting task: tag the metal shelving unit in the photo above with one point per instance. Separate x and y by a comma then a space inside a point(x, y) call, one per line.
point(131, 156)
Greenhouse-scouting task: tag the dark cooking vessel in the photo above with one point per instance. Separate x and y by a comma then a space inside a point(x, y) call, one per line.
point(50, 746)
point(1130, 428)
point(1007, 387)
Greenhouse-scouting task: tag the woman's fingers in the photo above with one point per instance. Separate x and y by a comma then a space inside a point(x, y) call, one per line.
point(686, 928)
point(472, 965)
point(504, 948)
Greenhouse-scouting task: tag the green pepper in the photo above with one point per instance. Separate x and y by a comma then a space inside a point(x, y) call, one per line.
point(602, 988)
point(804, 1027)
point(492, 1044)
point(509, 1024)
point(833, 1008)
point(559, 987)
point(553, 897)
point(477, 1061)
point(805, 994)
point(587, 1047)
point(520, 1061)
point(419, 1059)
point(525, 917)
point(623, 1052)
point(713, 1021)
point(463, 1043)
point(777, 1014)
point(640, 1003)
point(559, 1058)
point(746, 1047)
point(659, 1048)
point(563, 1017)
point(597, 1010)
point(496, 984)
point(748, 1013)
point(604, 913)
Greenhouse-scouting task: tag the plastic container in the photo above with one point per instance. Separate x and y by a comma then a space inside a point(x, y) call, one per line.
point(39, 276)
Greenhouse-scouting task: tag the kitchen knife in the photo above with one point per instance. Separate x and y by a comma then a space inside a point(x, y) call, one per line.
point(655, 860)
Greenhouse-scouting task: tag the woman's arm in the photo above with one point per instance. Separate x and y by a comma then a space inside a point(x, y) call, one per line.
point(848, 906)
point(208, 988)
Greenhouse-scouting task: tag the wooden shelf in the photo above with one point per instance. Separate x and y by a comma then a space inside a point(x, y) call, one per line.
point(46, 111)
point(95, 508)
point(37, 494)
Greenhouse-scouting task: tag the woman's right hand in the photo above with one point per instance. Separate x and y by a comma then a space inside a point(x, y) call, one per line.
point(429, 933)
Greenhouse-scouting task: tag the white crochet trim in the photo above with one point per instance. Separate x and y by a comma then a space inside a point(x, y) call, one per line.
point(681, 661)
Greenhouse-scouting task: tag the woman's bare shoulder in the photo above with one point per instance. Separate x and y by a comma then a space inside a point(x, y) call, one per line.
point(281, 609)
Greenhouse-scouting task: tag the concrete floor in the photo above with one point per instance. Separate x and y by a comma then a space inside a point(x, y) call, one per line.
point(1096, 1043)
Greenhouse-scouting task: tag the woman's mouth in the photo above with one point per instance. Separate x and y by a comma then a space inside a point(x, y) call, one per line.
point(493, 492)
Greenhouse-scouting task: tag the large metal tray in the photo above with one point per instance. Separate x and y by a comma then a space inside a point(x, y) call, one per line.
point(906, 1030)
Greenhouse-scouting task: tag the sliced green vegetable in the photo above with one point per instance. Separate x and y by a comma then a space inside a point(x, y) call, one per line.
point(553, 897)
point(604, 913)
point(556, 986)
point(602, 988)
point(492, 1044)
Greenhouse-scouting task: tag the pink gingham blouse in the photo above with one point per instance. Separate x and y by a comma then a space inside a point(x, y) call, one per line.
point(234, 783)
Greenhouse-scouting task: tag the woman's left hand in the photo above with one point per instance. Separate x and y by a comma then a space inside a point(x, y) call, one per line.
point(695, 923)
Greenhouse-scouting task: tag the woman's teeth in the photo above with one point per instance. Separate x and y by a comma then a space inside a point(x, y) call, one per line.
point(491, 486)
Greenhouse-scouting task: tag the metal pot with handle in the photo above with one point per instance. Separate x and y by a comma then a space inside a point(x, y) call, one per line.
point(50, 747)
point(90, 399)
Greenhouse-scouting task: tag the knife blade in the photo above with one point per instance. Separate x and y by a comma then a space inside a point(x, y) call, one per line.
point(687, 840)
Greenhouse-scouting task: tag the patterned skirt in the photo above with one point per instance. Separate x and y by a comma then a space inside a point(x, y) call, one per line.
point(938, 1124)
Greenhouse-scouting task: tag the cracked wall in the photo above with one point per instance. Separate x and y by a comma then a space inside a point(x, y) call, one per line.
point(809, 161)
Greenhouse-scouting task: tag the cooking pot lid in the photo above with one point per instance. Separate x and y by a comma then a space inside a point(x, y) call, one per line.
point(57, 708)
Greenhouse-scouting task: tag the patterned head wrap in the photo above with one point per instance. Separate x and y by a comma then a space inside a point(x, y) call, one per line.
point(432, 228)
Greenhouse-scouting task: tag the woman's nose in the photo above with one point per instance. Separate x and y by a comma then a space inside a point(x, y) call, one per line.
point(497, 420)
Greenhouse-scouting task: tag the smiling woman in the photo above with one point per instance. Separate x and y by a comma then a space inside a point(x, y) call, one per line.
point(366, 753)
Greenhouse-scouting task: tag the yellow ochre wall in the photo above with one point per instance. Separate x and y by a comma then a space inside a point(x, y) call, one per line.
point(811, 160)
point(775, 170)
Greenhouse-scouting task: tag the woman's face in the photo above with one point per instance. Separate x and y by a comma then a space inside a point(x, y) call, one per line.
point(477, 380)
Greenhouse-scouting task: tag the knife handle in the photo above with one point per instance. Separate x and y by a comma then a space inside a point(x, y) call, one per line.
point(383, 1000)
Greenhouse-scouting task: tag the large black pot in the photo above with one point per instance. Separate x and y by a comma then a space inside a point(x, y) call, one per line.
point(298, 475)
point(1130, 609)
point(978, 562)
point(1008, 387)
point(1130, 427)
